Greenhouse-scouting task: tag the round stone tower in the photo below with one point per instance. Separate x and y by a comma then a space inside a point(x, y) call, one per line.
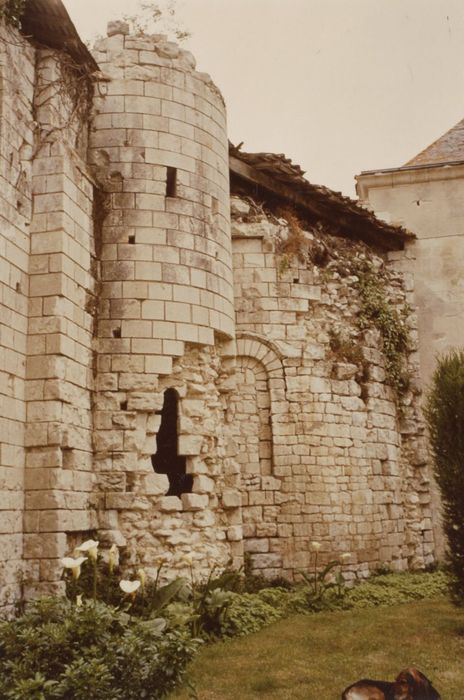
point(160, 151)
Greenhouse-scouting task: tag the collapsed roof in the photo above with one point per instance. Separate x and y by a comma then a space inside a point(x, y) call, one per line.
point(274, 175)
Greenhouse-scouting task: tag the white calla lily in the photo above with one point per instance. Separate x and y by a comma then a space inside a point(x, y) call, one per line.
point(316, 546)
point(90, 547)
point(129, 587)
point(345, 556)
point(74, 564)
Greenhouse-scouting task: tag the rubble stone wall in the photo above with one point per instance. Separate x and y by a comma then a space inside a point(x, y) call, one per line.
point(205, 524)
point(347, 464)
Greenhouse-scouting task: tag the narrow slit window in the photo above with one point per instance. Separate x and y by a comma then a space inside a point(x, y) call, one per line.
point(171, 182)
point(166, 459)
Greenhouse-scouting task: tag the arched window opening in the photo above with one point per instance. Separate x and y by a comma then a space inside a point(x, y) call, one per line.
point(166, 460)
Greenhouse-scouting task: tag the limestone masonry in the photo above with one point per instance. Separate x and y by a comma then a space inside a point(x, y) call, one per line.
point(174, 381)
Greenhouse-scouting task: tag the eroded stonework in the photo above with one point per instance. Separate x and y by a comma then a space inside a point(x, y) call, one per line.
point(205, 523)
point(328, 451)
point(118, 291)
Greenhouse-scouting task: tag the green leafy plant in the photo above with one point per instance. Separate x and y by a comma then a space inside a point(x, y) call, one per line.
point(247, 613)
point(101, 580)
point(445, 418)
point(60, 650)
point(393, 589)
point(326, 586)
point(210, 601)
point(254, 582)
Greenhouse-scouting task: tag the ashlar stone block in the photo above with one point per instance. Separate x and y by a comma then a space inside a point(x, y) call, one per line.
point(194, 501)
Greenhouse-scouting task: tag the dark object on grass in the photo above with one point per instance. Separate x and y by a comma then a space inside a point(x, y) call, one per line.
point(410, 684)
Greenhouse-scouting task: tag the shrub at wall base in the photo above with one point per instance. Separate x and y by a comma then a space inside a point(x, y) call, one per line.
point(445, 416)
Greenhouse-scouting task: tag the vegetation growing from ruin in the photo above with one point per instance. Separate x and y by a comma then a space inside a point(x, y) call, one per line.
point(305, 246)
point(344, 347)
point(69, 95)
point(445, 417)
point(12, 11)
point(157, 16)
point(376, 311)
point(347, 258)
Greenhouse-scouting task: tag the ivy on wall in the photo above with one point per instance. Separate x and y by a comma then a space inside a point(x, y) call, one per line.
point(350, 259)
point(377, 311)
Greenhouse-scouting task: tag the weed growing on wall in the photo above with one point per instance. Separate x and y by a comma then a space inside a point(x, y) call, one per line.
point(376, 311)
point(158, 16)
point(344, 347)
point(347, 259)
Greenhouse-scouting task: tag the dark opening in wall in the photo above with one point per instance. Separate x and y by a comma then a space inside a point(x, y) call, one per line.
point(171, 182)
point(166, 460)
point(116, 332)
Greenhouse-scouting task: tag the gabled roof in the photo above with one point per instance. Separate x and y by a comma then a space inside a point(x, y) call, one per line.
point(282, 179)
point(48, 23)
point(449, 148)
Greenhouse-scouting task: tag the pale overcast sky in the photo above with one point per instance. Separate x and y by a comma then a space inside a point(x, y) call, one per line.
point(339, 86)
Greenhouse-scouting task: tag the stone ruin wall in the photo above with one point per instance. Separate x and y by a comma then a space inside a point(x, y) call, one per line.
point(325, 452)
point(166, 315)
point(62, 288)
point(16, 141)
point(117, 285)
point(46, 282)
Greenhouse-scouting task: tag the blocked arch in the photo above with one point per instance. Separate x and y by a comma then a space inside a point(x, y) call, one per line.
point(263, 350)
point(267, 360)
point(261, 357)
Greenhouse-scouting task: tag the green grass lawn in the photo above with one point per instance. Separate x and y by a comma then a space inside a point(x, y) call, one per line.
point(313, 657)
